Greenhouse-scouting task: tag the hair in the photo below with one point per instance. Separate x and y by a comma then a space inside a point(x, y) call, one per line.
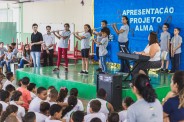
point(67, 24)
point(11, 118)
point(10, 109)
point(25, 81)
point(62, 94)
point(1, 42)
point(40, 90)
point(51, 87)
point(9, 75)
point(106, 30)
point(95, 105)
point(78, 116)
point(35, 25)
point(53, 93)
point(13, 44)
point(101, 93)
point(29, 117)
point(4, 95)
point(44, 107)
point(72, 102)
point(16, 96)
point(153, 38)
point(74, 92)
point(178, 78)
point(89, 27)
point(1, 108)
point(55, 108)
point(10, 88)
point(19, 82)
point(127, 20)
point(31, 86)
point(128, 101)
point(95, 120)
point(48, 26)
point(10, 48)
point(104, 21)
point(113, 117)
point(144, 87)
point(26, 51)
point(166, 24)
point(177, 29)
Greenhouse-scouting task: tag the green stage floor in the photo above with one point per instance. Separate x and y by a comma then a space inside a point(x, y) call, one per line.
point(86, 84)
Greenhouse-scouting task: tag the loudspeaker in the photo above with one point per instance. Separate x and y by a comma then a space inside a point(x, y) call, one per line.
point(112, 84)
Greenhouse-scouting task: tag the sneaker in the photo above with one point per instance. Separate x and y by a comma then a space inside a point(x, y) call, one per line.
point(56, 69)
point(86, 73)
point(166, 71)
point(162, 70)
point(81, 72)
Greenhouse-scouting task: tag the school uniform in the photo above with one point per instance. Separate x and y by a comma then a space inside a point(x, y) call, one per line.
point(78, 107)
point(49, 120)
point(123, 41)
point(89, 117)
point(85, 45)
point(25, 60)
point(99, 38)
point(175, 41)
point(123, 116)
point(33, 95)
point(63, 47)
point(7, 62)
point(48, 40)
point(5, 105)
point(165, 39)
point(6, 84)
point(35, 105)
point(40, 117)
point(21, 110)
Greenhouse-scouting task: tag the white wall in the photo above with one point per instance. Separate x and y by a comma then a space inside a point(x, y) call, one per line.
point(61, 11)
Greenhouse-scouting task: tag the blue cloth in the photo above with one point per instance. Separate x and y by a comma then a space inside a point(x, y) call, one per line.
point(36, 58)
point(103, 63)
point(7, 63)
point(171, 108)
point(22, 62)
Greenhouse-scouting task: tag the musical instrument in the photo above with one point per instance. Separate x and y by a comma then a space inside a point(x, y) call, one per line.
point(134, 57)
point(56, 31)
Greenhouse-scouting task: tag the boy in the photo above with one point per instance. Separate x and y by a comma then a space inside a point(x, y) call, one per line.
point(53, 97)
point(32, 89)
point(95, 107)
point(164, 44)
point(26, 96)
point(35, 103)
point(77, 116)
point(29, 117)
point(4, 99)
point(102, 48)
point(55, 113)
point(9, 80)
point(44, 112)
point(99, 38)
point(15, 50)
point(10, 88)
point(113, 117)
point(176, 42)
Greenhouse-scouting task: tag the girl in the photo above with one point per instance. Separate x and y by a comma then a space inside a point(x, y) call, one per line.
point(102, 48)
point(63, 94)
point(17, 100)
point(174, 102)
point(123, 41)
point(63, 46)
point(26, 59)
point(9, 58)
point(85, 47)
point(146, 102)
point(11, 110)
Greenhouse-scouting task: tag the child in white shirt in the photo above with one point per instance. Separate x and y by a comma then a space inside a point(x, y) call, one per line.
point(32, 88)
point(55, 113)
point(10, 79)
point(44, 112)
point(5, 98)
point(53, 97)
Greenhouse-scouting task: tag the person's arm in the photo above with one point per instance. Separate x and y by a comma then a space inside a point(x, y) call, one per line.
point(96, 42)
point(116, 30)
point(172, 53)
point(174, 50)
point(110, 107)
point(152, 52)
point(79, 37)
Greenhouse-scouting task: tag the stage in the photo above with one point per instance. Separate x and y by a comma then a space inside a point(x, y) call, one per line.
point(86, 84)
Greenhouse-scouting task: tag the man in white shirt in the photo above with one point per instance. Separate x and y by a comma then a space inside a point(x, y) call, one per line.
point(48, 46)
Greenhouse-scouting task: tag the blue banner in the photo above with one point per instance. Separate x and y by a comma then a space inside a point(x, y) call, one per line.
point(144, 16)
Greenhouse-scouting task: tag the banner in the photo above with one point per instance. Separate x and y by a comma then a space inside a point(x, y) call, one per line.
point(144, 16)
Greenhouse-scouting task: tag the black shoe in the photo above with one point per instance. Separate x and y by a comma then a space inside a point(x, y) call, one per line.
point(166, 71)
point(82, 72)
point(86, 73)
point(162, 70)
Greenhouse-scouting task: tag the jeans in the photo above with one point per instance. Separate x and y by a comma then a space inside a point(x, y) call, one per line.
point(22, 62)
point(50, 56)
point(175, 62)
point(103, 63)
point(62, 51)
point(7, 63)
point(36, 58)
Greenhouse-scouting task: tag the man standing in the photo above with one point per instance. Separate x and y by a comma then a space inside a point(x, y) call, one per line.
point(48, 47)
point(36, 41)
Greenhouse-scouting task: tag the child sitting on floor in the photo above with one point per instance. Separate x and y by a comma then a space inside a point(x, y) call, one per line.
point(55, 113)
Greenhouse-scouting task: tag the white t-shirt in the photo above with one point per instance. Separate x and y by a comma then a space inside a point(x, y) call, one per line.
point(85, 43)
point(40, 117)
point(89, 117)
point(123, 37)
point(21, 110)
point(35, 105)
point(5, 105)
point(103, 109)
point(78, 107)
point(99, 38)
point(48, 120)
point(123, 116)
point(63, 43)
point(6, 84)
point(48, 40)
point(33, 95)
point(103, 46)
point(51, 103)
